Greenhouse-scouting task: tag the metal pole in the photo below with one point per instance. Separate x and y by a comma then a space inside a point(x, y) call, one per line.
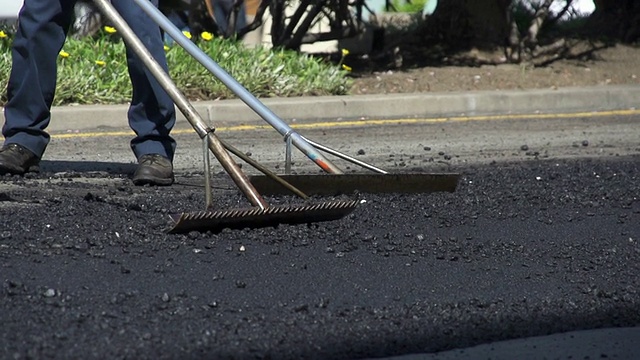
point(241, 180)
point(208, 194)
point(287, 155)
point(271, 175)
point(283, 128)
point(351, 159)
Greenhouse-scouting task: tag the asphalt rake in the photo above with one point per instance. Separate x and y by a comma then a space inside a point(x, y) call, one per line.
point(261, 213)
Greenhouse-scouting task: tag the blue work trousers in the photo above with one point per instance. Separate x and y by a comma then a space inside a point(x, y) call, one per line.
point(42, 30)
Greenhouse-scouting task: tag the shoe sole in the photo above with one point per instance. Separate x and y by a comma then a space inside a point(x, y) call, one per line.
point(152, 181)
point(13, 171)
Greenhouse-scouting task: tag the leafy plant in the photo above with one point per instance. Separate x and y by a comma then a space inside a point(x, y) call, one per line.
point(408, 6)
point(94, 71)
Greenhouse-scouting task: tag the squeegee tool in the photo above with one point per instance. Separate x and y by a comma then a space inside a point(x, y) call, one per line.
point(413, 182)
point(332, 184)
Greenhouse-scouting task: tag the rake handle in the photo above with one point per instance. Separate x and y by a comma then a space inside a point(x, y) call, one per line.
point(241, 180)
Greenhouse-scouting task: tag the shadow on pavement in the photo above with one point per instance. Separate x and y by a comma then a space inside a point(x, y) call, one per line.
point(618, 343)
point(87, 166)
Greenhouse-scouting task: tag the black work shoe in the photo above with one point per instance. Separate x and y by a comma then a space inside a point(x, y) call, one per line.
point(153, 169)
point(17, 160)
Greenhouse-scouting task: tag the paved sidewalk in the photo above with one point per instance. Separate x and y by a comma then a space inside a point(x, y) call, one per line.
point(412, 105)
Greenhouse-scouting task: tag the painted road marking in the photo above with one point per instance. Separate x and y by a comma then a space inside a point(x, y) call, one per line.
point(353, 123)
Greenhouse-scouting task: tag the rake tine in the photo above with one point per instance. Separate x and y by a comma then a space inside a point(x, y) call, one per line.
point(257, 218)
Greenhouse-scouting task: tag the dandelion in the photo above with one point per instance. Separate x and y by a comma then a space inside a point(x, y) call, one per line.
point(206, 36)
point(100, 63)
point(110, 29)
point(63, 54)
point(344, 52)
point(187, 34)
point(2, 34)
point(166, 48)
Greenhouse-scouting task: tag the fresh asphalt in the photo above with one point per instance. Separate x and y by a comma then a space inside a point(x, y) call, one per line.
point(524, 106)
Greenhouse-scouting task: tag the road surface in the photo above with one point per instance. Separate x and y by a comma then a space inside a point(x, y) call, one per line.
point(541, 237)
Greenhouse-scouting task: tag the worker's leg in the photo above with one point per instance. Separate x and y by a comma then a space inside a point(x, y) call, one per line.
point(152, 112)
point(42, 29)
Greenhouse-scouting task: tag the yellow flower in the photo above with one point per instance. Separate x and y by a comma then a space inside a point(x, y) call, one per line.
point(63, 54)
point(109, 29)
point(206, 36)
point(2, 35)
point(100, 63)
point(187, 34)
point(348, 68)
point(345, 52)
point(166, 48)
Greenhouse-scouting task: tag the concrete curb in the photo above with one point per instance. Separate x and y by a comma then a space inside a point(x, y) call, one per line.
point(413, 105)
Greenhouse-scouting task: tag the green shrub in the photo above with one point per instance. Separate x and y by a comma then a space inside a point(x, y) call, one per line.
point(94, 71)
point(411, 6)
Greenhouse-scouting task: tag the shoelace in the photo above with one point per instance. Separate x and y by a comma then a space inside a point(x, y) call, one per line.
point(152, 159)
point(9, 147)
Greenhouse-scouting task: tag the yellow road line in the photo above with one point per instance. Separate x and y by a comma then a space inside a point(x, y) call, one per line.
point(336, 124)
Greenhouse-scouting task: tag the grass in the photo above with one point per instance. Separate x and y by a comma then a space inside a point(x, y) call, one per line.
point(94, 71)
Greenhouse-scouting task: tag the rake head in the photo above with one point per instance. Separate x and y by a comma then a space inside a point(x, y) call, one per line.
point(334, 184)
point(255, 217)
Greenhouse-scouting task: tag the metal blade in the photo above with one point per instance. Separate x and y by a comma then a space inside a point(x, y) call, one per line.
point(333, 184)
point(256, 217)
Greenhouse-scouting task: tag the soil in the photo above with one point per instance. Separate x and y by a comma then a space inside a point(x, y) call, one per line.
point(410, 70)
